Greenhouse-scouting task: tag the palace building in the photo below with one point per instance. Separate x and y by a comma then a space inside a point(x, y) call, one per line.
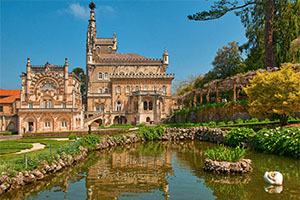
point(124, 87)
point(50, 99)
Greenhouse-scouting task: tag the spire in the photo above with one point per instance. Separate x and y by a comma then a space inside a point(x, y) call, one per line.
point(92, 19)
point(165, 57)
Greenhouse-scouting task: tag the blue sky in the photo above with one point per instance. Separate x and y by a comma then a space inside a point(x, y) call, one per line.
point(52, 30)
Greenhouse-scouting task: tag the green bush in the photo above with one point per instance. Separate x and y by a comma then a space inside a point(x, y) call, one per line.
point(89, 141)
point(102, 126)
point(230, 123)
point(254, 120)
point(291, 118)
point(267, 120)
point(239, 121)
point(151, 133)
point(212, 124)
point(141, 125)
point(238, 135)
point(72, 137)
point(282, 141)
point(221, 123)
point(223, 153)
point(6, 133)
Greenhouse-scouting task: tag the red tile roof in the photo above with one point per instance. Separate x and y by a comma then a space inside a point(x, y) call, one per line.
point(9, 92)
point(10, 99)
point(127, 56)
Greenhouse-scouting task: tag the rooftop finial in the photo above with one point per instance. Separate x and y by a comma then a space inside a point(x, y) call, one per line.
point(92, 6)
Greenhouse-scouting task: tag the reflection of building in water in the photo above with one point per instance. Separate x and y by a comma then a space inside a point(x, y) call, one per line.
point(128, 173)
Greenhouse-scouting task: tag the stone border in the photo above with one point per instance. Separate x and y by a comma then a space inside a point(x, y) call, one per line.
point(239, 167)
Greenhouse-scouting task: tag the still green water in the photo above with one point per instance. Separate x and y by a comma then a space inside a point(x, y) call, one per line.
point(162, 170)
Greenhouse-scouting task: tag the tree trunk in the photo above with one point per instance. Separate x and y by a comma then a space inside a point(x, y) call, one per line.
point(283, 119)
point(269, 22)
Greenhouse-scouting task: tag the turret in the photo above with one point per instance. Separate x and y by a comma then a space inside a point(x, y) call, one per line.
point(66, 75)
point(115, 42)
point(28, 77)
point(165, 57)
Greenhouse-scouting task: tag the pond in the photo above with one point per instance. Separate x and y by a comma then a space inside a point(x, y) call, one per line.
point(162, 170)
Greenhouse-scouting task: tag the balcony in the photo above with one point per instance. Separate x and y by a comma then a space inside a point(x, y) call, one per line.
point(147, 93)
point(47, 110)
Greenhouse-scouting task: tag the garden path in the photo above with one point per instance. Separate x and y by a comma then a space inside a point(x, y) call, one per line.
point(36, 146)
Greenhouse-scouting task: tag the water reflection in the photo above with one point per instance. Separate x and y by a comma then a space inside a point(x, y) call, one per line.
point(162, 170)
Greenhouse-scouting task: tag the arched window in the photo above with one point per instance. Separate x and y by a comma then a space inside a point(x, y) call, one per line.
point(105, 76)
point(97, 108)
point(102, 108)
point(150, 105)
point(64, 124)
point(137, 88)
point(148, 119)
point(154, 88)
point(127, 89)
point(164, 89)
point(30, 105)
point(118, 89)
point(145, 105)
point(145, 88)
point(100, 76)
point(98, 49)
point(47, 124)
point(119, 106)
point(44, 104)
point(64, 105)
point(100, 90)
point(106, 91)
point(50, 104)
point(109, 49)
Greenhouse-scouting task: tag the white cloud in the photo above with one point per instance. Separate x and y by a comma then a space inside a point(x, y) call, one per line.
point(77, 11)
point(83, 12)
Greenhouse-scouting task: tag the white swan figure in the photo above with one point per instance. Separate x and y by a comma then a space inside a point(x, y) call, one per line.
point(274, 178)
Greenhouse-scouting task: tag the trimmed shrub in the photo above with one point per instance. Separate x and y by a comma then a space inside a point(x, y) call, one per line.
point(238, 135)
point(254, 120)
point(239, 121)
point(230, 123)
point(212, 124)
point(221, 123)
point(72, 137)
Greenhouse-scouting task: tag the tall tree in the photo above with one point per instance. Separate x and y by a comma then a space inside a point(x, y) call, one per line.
point(228, 61)
point(221, 7)
point(81, 75)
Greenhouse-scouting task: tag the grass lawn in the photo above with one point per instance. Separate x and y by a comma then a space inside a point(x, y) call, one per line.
point(9, 147)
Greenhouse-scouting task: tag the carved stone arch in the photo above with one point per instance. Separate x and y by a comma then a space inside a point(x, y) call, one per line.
point(59, 84)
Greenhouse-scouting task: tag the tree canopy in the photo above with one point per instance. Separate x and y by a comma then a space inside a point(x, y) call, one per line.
point(81, 75)
point(275, 93)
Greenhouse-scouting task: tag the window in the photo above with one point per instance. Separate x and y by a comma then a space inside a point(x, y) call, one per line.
point(150, 105)
point(50, 104)
point(145, 88)
point(106, 91)
point(44, 104)
point(127, 89)
point(1, 108)
point(137, 88)
point(64, 124)
point(164, 89)
point(109, 49)
point(118, 89)
point(98, 49)
point(145, 105)
point(100, 91)
point(154, 88)
point(100, 76)
point(64, 105)
point(105, 76)
point(30, 105)
point(47, 124)
point(97, 108)
point(119, 106)
point(102, 108)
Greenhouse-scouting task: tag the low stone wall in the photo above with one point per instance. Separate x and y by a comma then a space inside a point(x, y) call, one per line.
point(242, 166)
point(26, 177)
point(214, 135)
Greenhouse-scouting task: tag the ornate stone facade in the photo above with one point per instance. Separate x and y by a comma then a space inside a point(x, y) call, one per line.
point(50, 99)
point(124, 87)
